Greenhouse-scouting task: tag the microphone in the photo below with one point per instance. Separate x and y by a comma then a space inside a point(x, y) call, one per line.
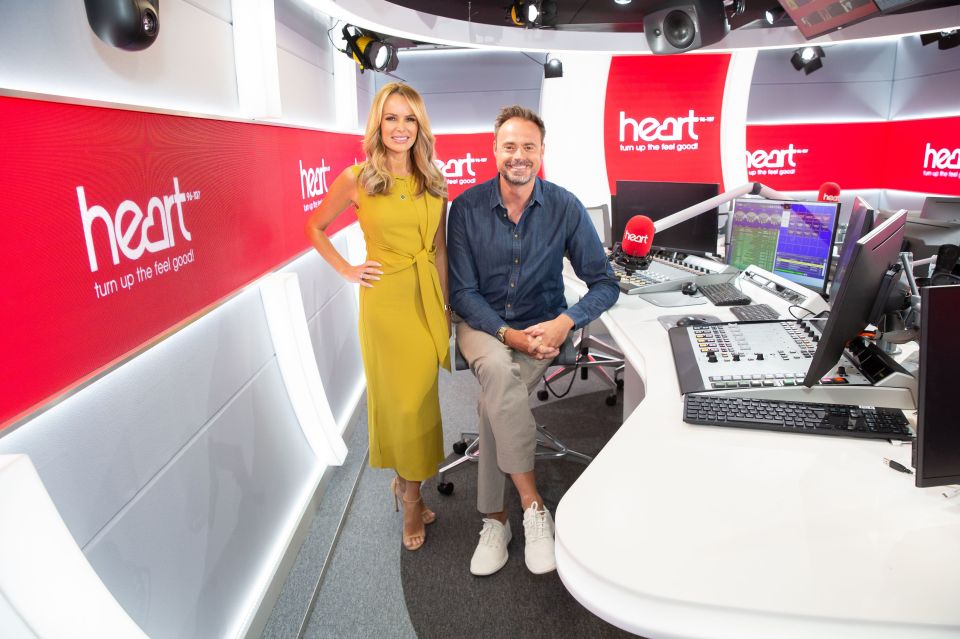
point(829, 192)
point(635, 246)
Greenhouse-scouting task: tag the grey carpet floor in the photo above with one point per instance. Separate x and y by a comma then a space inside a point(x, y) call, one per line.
point(445, 600)
point(360, 591)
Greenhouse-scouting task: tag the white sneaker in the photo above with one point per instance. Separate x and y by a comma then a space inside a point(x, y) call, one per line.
point(538, 530)
point(491, 553)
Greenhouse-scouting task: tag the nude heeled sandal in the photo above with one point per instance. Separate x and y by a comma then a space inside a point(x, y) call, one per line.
point(426, 515)
point(408, 540)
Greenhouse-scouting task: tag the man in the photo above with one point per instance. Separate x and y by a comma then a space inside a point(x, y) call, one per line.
point(506, 242)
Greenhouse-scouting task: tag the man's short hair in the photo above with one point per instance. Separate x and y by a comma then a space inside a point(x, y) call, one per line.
point(517, 111)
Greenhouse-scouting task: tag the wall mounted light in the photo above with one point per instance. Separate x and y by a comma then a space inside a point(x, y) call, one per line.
point(533, 14)
point(944, 39)
point(369, 50)
point(553, 68)
point(807, 59)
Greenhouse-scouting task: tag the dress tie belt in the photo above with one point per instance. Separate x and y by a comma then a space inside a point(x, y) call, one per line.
point(431, 294)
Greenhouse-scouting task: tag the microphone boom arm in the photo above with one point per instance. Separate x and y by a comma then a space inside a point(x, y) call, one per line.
point(750, 188)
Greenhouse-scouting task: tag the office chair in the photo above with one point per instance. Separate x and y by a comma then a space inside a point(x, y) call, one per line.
point(548, 446)
point(603, 356)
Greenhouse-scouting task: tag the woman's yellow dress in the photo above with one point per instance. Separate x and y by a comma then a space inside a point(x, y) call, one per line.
point(404, 337)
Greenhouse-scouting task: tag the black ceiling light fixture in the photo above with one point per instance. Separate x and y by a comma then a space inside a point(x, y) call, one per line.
point(553, 68)
point(807, 59)
point(369, 50)
point(533, 14)
point(776, 16)
point(944, 39)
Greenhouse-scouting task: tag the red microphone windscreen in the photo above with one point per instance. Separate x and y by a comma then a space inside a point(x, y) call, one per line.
point(829, 192)
point(637, 236)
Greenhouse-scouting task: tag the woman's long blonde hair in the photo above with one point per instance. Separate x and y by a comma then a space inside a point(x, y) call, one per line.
point(375, 178)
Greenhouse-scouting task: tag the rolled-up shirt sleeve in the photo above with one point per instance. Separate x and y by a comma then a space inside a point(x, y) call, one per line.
point(465, 296)
point(591, 265)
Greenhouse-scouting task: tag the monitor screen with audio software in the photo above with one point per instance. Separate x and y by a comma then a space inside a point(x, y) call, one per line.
point(792, 239)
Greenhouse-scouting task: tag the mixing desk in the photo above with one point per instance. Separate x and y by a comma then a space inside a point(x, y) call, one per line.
point(751, 354)
point(668, 271)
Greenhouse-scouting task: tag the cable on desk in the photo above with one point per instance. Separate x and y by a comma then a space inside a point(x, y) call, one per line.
point(897, 466)
point(793, 306)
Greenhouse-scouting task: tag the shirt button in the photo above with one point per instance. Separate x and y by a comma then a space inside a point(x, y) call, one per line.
point(516, 260)
point(508, 305)
point(512, 284)
point(516, 236)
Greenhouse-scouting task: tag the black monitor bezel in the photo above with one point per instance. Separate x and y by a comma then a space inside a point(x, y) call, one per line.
point(857, 293)
point(822, 289)
point(922, 442)
point(860, 222)
point(709, 218)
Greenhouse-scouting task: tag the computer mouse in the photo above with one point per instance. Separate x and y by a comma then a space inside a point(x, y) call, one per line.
point(688, 288)
point(690, 321)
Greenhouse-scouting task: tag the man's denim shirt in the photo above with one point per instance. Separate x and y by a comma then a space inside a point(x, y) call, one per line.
point(506, 273)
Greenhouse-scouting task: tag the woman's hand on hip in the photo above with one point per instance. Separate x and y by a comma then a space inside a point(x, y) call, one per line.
point(363, 274)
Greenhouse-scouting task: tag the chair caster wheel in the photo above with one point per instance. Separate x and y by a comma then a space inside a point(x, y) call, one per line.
point(445, 488)
point(459, 448)
point(619, 384)
point(611, 400)
point(542, 395)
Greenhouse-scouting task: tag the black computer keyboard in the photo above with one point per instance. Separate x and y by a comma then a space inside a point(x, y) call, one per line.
point(796, 417)
point(754, 312)
point(725, 294)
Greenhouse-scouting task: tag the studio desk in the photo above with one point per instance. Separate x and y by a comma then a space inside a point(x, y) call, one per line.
point(676, 530)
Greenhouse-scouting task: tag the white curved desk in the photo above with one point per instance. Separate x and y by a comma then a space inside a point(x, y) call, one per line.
point(690, 531)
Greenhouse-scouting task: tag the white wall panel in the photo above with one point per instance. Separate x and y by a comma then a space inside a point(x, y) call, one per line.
point(464, 90)
point(48, 47)
point(915, 60)
point(306, 93)
point(336, 343)
point(190, 554)
point(853, 85)
point(330, 305)
point(469, 112)
point(96, 449)
point(929, 96)
point(572, 109)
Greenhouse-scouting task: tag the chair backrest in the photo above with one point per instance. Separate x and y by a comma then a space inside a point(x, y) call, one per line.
point(566, 357)
point(600, 216)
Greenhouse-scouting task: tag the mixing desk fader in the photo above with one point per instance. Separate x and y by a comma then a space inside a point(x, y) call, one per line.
point(667, 272)
point(751, 355)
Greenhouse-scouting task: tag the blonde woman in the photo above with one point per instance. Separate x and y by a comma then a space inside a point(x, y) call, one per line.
point(400, 199)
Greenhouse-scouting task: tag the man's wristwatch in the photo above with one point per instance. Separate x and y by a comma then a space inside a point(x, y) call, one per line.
point(502, 334)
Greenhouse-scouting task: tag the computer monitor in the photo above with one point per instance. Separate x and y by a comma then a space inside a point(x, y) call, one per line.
point(657, 200)
point(936, 450)
point(860, 222)
point(792, 239)
point(849, 314)
point(942, 208)
point(923, 237)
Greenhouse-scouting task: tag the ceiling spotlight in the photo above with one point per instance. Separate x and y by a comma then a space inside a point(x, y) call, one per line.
point(533, 14)
point(944, 39)
point(807, 59)
point(553, 68)
point(622, 1)
point(369, 50)
point(774, 16)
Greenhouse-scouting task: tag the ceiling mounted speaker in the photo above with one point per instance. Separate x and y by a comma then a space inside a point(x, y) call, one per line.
point(127, 24)
point(685, 25)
